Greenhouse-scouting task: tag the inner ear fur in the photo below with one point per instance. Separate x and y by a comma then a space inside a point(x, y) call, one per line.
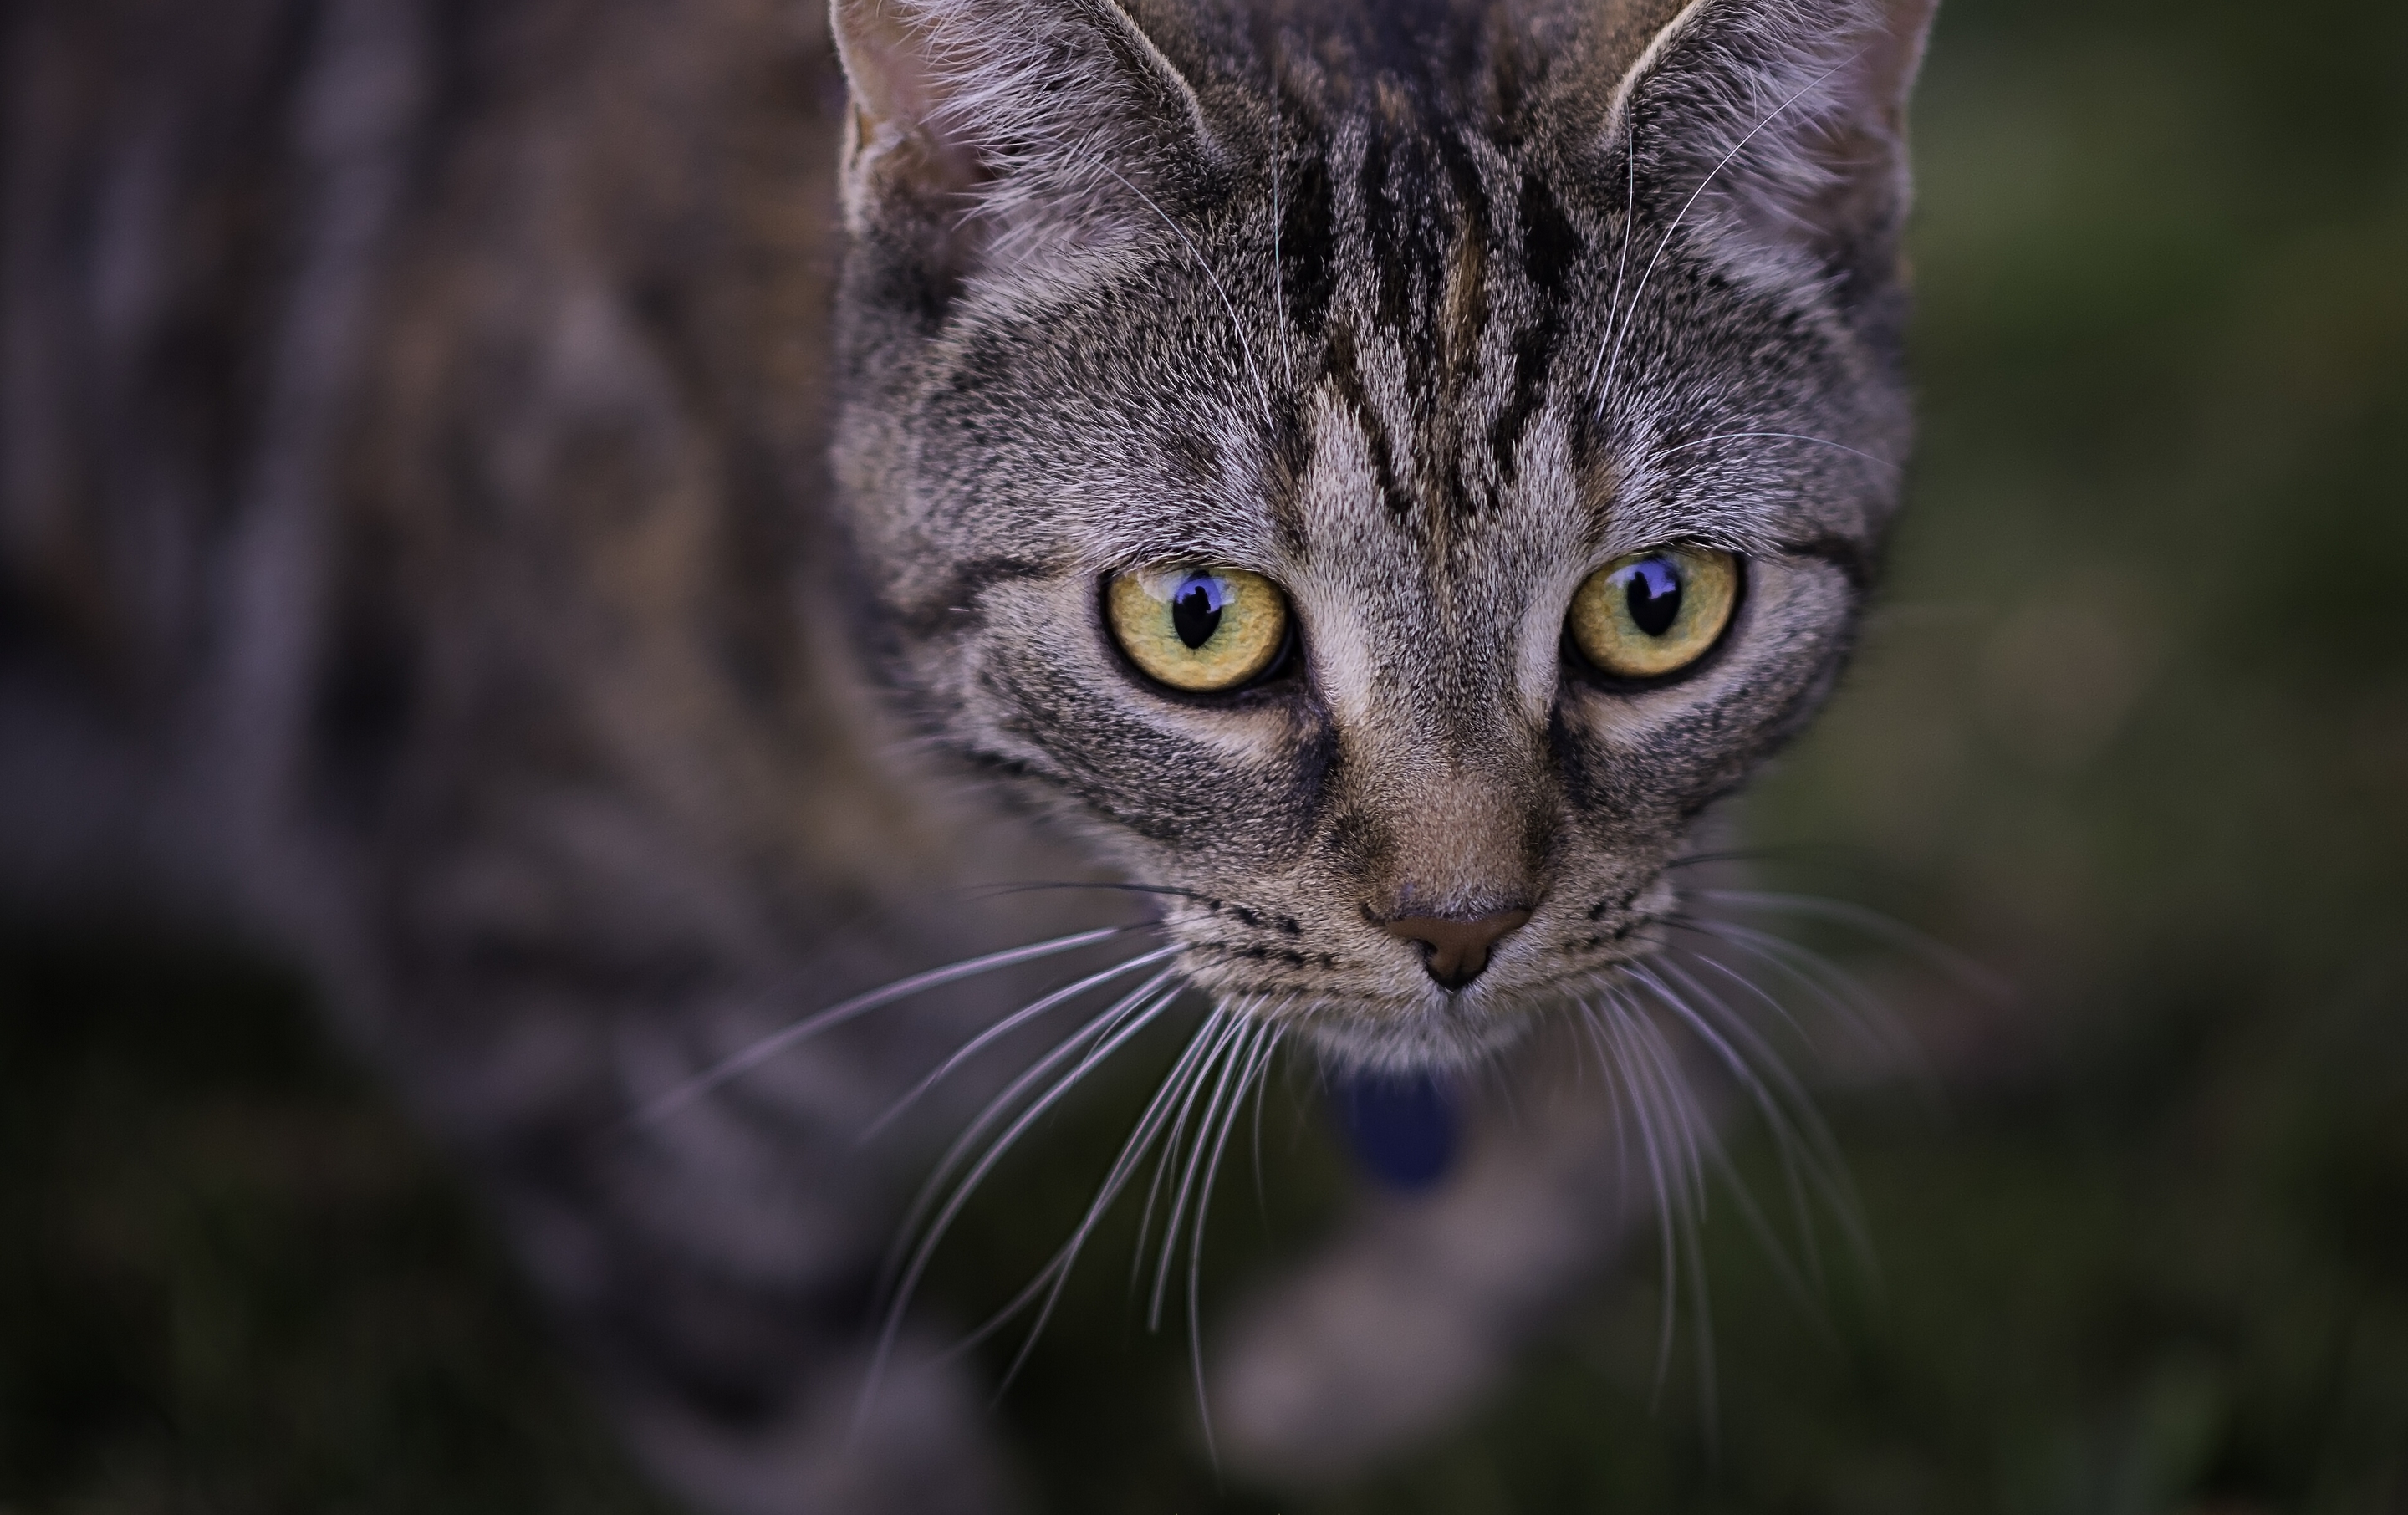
point(1010, 120)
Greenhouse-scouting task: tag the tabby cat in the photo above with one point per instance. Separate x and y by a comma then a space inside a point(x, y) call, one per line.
point(605, 540)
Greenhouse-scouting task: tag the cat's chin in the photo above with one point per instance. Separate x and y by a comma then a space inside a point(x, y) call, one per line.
point(1435, 1038)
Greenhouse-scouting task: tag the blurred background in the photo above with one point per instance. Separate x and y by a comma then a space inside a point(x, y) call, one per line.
point(2132, 731)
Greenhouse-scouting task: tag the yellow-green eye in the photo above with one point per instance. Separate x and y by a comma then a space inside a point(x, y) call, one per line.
point(1654, 613)
point(1198, 629)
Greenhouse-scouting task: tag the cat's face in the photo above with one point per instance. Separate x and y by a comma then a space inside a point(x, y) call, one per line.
point(1426, 355)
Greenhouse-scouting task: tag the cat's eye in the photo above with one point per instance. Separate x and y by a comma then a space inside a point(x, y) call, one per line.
point(1654, 613)
point(1202, 630)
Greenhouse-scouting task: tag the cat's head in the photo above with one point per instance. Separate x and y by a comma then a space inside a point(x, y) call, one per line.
point(1381, 478)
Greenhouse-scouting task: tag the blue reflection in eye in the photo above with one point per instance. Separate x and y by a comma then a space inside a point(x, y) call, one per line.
point(1655, 595)
point(1196, 608)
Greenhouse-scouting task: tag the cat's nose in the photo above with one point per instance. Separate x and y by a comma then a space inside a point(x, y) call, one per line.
point(1455, 951)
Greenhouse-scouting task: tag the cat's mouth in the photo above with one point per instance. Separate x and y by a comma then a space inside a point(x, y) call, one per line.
point(1398, 1011)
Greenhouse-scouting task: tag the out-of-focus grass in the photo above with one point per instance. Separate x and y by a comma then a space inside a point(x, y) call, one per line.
point(2132, 728)
point(232, 1280)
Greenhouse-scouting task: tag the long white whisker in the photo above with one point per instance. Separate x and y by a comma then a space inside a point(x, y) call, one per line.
point(1802, 1104)
point(1255, 1055)
point(1740, 1066)
point(1807, 1121)
point(1269, 419)
point(1174, 1098)
point(1069, 1047)
point(1131, 1024)
point(1613, 1094)
point(1854, 1007)
point(1279, 276)
point(1780, 1011)
point(1697, 1139)
point(1622, 261)
point(1229, 1024)
point(1670, 1092)
point(1232, 1052)
point(1644, 1117)
point(1827, 1164)
point(1786, 1141)
point(1781, 436)
point(777, 1041)
point(1967, 972)
point(1262, 1087)
point(1051, 1279)
point(1852, 1004)
point(1008, 1025)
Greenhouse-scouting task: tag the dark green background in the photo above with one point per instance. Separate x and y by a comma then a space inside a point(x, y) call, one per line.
point(2132, 730)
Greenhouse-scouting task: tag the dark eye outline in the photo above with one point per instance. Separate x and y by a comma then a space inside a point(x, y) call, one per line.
point(1282, 668)
point(1578, 661)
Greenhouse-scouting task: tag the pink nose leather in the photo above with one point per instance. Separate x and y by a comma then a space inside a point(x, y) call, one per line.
point(1455, 951)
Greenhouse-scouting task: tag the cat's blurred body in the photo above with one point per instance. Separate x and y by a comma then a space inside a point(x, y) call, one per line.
point(421, 548)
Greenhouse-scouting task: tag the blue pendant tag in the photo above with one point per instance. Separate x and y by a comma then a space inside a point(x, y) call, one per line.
point(1401, 1126)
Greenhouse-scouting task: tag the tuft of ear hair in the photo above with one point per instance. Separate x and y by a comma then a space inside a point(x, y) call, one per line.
point(1774, 131)
point(986, 127)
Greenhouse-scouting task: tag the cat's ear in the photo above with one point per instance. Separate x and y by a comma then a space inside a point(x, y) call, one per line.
point(1778, 128)
point(990, 124)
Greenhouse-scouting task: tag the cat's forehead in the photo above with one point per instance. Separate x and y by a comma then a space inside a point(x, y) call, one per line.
point(1424, 382)
point(1403, 338)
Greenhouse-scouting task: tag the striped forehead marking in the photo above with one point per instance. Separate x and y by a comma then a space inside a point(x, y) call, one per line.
point(1439, 312)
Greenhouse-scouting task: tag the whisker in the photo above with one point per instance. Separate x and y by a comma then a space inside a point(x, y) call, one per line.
point(1785, 436)
point(1130, 1025)
point(1262, 1087)
point(1735, 1057)
point(1613, 1093)
point(1697, 1136)
point(1230, 1025)
point(1807, 1118)
point(1963, 970)
point(1855, 1007)
point(1792, 1146)
point(1858, 1010)
point(1832, 854)
point(1781, 1012)
point(1738, 1066)
point(776, 1042)
point(1008, 1025)
point(1257, 1055)
point(1052, 1279)
point(1234, 1048)
point(1622, 262)
point(1269, 419)
point(1116, 885)
point(1067, 1048)
point(1279, 277)
point(1615, 1023)
point(1631, 311)
point(1802, 1102)
point(1696, 1142)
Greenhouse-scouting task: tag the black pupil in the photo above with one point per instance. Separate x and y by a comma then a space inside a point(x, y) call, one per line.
point(1196, 610)
point(1655, 596)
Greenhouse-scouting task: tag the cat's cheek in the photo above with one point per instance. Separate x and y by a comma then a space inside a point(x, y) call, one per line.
point(1183, 784)
point(1618, 806)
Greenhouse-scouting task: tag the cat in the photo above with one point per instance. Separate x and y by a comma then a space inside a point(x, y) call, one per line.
point(605, 541)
